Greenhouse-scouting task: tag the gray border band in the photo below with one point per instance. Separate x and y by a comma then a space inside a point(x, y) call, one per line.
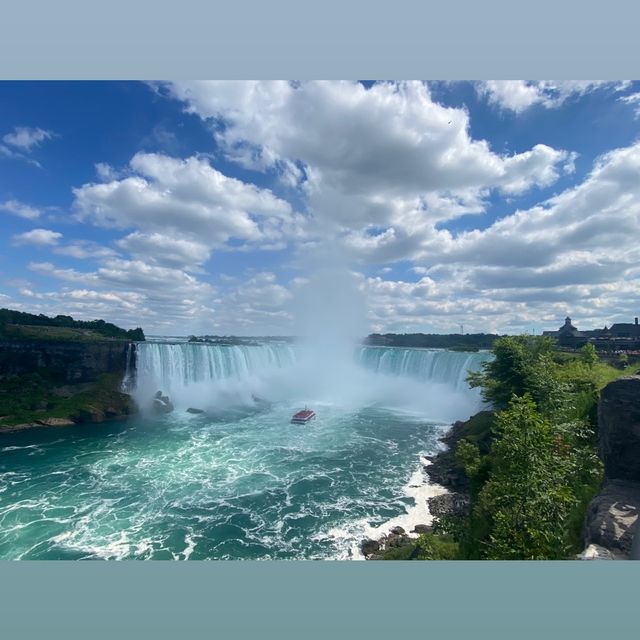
point(454, 39)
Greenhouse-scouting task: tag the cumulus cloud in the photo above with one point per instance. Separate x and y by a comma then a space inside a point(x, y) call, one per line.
point(380, 173)
point(183, 208)
point(165, 250)
point(38, 237)
point(161, 297)
point(356, 149)
point(578, 248)
point(20, 209)
point(519, 95)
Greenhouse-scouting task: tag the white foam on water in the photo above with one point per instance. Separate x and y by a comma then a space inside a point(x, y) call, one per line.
point(349, 537)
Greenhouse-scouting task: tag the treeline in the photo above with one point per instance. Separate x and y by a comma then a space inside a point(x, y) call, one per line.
point(533, 474)
point(240, 340)
point(9, 317)
point(468, 342)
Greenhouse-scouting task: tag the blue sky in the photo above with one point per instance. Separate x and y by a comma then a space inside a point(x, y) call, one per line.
point(204, 207)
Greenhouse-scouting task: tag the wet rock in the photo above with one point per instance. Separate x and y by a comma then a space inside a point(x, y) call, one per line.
point(194, 410)
point(449, 504)
point(161, 404)
point(398, 530)
point(396, 540)
point(422, 528)
point(56, 422)
point(370, 547)
point(393, 540)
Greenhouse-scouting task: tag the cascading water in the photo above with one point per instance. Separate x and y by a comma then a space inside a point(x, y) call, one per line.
point(175, 365)
point(239, 481)
point(196, 373)
point(128, 382)
point(425, 365)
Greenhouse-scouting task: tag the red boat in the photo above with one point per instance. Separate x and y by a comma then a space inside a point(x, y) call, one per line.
point(303, 416)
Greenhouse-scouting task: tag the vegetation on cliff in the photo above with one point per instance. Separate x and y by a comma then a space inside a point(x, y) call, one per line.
point(529, 488)
point(56, 371)
point(18, 325)
point(529, 466)
point(37, 399)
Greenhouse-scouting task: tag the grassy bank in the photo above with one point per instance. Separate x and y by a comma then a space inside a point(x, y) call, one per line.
point(53, 334)
point(18, 325)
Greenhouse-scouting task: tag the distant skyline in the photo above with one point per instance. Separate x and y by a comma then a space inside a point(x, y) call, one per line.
point(196, 207)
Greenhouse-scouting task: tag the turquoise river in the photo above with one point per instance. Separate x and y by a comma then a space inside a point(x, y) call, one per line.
point(239, 481)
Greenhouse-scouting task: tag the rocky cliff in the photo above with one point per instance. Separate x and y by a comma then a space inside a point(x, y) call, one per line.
point(56, 382)
point(70, 362)
point(612, 516)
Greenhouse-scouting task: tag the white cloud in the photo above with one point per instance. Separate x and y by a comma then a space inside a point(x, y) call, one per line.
point(182, 209)
point(360, 148)
point(105, 172)
point(519, 95)
point(382, 171)
point(25, 138)
point(165, 250)
point(38, 237)
point(83, 249)
point(133, 293)
point(49, 269)
point(634, 100)
point(576, 253)
point(20, 209)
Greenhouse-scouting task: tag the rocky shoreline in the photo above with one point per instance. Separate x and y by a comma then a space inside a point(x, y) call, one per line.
point(89, 414)
point(453, 499)
point(97, 418)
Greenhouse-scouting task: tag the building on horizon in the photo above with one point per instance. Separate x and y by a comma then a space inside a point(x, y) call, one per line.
point(620, 336)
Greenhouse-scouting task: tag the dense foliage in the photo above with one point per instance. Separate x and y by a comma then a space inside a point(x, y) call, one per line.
point(530, 487)
point(10, 318)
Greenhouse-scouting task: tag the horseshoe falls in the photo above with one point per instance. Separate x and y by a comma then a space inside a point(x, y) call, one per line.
point(237, 480)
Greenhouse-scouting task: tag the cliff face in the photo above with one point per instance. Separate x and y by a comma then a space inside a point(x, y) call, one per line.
point(619, 425)
point(70, 362)
point(612, 516)
point(50, 383)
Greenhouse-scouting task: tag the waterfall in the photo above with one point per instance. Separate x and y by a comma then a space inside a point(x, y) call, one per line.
point(128, 382)
point(165, 365)
point(424, 365)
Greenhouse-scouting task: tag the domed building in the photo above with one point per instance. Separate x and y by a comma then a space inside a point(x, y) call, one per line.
point(568, 336)
point(622, 335)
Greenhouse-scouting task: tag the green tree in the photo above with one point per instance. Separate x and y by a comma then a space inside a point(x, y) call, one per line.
point(588, 355)
point(528, 496)
point(522, 364)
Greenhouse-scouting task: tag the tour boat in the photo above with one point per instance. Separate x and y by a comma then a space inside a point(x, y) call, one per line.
point(303, 416)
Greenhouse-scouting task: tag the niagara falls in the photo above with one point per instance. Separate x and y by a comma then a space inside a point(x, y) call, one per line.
point(238, 481)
